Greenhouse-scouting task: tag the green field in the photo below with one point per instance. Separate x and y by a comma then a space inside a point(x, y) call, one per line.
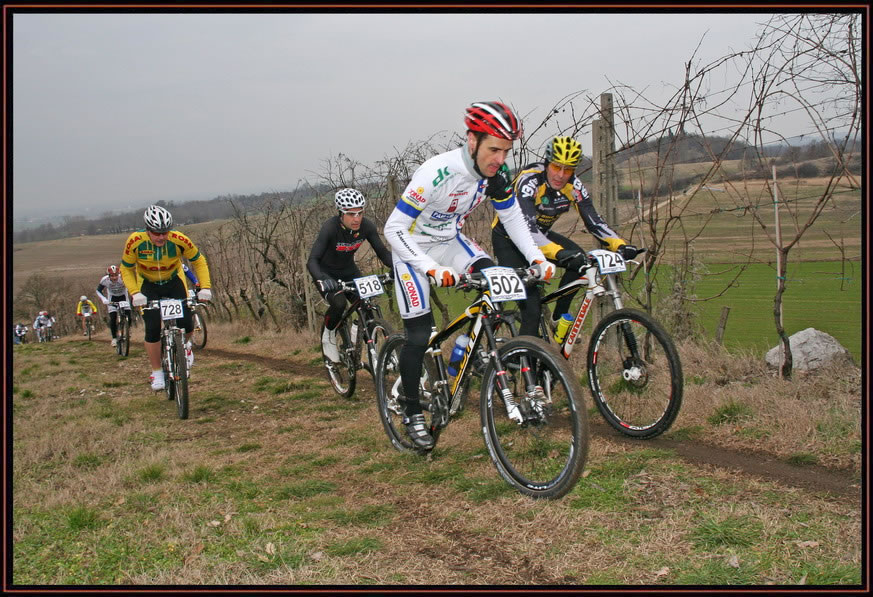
point(817, 295)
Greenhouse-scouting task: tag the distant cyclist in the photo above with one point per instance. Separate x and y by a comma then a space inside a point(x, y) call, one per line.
point(20, 333)
point(115, 291)
point(332, 258)
point(546, 190)
point(150, 266)
point(85, 307)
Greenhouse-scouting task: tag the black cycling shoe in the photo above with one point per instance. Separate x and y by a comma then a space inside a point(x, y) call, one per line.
point(418, 432)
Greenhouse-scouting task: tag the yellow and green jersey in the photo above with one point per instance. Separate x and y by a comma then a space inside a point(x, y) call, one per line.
point(143, 260)
point(85, 305)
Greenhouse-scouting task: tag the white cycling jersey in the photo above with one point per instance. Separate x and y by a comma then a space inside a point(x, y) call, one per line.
point(441, 194)
point(116, 288)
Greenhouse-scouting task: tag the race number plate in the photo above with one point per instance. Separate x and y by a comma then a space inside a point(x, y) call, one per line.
point(504, 283)
point(123, 305)
point(171, 308)
point(369, 286)
point(608, 262)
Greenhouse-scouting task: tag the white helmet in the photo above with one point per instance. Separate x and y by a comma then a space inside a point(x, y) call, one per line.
point(347, 199)
point(83, 298)
point(157, 219)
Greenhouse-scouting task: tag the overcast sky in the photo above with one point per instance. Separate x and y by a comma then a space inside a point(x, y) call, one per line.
point(113, 111)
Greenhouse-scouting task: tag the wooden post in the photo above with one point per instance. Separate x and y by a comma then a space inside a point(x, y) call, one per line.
point(722, 322)
point(307, 295)
point(610, 182)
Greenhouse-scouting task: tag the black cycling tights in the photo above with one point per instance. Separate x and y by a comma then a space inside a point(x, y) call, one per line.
point(336, 302)
point(418, 331)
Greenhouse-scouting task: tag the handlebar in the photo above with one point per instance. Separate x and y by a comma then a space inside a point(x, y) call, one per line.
point(592, 261)
point(349, 285)
point(477, 280)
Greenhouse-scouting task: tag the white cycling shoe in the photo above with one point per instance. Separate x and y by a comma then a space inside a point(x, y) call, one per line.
point(328, 345)
point(157, 379)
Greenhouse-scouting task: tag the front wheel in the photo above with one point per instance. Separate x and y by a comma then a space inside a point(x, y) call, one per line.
point(634, 374)
point(378, 331)
point(88, 327)
point(122, 339)
point(342, 374)
point(536, 433)
point(389, 393)
point(198, 337)
point(180, 376)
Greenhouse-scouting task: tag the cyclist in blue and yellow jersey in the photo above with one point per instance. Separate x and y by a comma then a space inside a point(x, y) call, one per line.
point(546, 190)
point(150, 267)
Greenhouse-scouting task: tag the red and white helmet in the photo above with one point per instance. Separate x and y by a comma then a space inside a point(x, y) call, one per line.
point(112, 270)
point(493, 118)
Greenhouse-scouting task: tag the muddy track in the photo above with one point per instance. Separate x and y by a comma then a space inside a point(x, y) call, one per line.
point(838, 483)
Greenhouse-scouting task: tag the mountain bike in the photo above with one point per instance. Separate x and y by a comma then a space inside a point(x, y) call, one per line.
point(634, 371)
point(173, 360)
point(122, 334)
point(198, 318)
point(531, 410)
point(40, 334)
point(361, 329)
point(89, 324)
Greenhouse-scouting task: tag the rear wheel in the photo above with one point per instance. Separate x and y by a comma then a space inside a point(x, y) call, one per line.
point(180, 381)
point(198, 337)
point(634, 374)
point(542, 455)
point(343, 374)
point(389, 393)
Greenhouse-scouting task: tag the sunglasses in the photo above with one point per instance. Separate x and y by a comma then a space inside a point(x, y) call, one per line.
point(354, 214)
point(560, 169)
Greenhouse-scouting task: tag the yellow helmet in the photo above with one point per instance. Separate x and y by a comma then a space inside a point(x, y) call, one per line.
point(566, 151)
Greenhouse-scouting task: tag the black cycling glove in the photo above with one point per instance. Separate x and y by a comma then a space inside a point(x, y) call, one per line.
point(328, 285)
point(500, 185)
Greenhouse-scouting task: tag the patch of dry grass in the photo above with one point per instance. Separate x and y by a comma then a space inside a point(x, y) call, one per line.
point(818, 413)
point(291, 487)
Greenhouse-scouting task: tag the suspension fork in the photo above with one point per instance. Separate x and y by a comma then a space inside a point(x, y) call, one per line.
point(630, 339)
point(509, 399)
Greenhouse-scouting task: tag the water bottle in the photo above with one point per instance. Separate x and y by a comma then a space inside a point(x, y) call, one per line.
point(562, 326)
point(458, 354)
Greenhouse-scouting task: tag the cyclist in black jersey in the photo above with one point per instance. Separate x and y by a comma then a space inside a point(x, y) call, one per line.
point(546, 190)
point(333, 258)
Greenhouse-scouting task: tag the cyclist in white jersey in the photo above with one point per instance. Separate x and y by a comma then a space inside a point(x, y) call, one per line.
point(427, 245)
point(115, 291)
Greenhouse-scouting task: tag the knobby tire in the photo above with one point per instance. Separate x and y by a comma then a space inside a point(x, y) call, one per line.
point(638, 399)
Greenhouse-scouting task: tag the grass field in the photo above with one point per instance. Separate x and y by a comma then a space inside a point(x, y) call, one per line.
point(274, 480)
point(818, 295)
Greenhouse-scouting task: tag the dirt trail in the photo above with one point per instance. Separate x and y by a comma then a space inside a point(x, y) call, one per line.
point(839, 483)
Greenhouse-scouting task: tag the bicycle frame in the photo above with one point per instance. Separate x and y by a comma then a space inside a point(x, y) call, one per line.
point(366, 309)
point(598, 285)
point(479, 317)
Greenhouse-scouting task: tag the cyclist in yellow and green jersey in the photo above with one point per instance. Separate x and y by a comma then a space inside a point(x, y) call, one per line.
point(151, 265)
